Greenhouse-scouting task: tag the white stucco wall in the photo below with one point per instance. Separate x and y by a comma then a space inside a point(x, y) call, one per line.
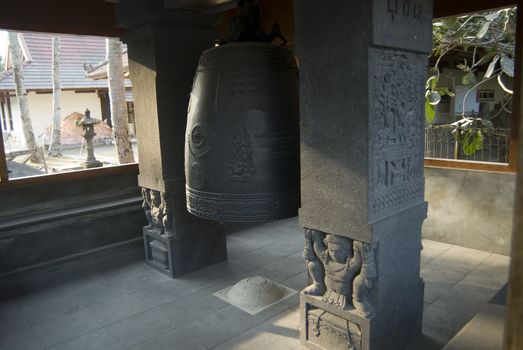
point(41, 109)
point(452, 78)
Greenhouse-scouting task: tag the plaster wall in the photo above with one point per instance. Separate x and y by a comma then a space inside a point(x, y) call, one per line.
point(41, 109)
point(451, 78)
point(469, 208)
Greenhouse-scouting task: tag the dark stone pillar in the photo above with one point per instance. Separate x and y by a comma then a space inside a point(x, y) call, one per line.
point(362, 72)
point(163, 48)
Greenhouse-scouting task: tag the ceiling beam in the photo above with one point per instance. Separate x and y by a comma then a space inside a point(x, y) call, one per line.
point(93, 17)
point(446, 8)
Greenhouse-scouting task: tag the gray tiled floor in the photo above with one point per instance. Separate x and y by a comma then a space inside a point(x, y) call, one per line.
point(120, 303)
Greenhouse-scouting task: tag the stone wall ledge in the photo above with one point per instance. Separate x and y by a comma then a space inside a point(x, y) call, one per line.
point(71, 213)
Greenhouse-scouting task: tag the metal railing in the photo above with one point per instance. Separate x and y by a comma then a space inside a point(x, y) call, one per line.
point(441, 142)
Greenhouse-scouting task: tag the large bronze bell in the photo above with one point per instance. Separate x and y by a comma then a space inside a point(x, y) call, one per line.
point(242, 142)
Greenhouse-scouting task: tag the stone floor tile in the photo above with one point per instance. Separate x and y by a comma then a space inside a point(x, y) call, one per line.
point(460, 259)
point(12, 320)
point(189, 308)
point(298, 255)
point(436, 335)
point(440, 273)
point(254, 237)
point(48, 304)
point(170, 290)
point(97, 340)
point(261, 257)
point(435, 289)
point(282, 269)
point(26, 339)
point(138, 328)
point(256, 339)
point(297, 282)
point(123, 303)
point(464, 293)
point(432, 249)
point(237, 247)
point(286, 247)
point(71, 297)
point(443, 322)
point(279, 332)
point(116, 309)
point(166, 342)
point(433, 340)
point(137, 280)
point(123, 265)
point(65, 328)
point(491, 273)
point(220, 326)
point(428, 243)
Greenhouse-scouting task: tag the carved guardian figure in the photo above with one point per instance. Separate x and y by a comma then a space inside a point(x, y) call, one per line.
point(342, 270)
point(158, 212)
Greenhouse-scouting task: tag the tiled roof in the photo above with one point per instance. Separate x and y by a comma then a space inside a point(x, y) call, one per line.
point(75, 51)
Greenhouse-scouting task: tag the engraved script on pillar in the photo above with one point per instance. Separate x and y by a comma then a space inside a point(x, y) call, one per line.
point(404, 8)
point(342, 270)
point(396, 130)
point(158, 211)
point(239, 162)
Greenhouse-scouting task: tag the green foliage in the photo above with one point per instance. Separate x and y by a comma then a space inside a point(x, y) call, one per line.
point(472, 141)
point(490, 39)
point(430, 113)
point(433, 95)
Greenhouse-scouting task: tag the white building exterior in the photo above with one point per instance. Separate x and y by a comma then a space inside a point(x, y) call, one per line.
point(78, 55)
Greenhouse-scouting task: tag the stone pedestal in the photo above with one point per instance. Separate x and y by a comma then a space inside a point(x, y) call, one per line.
point(163, 49)
point(362, 75)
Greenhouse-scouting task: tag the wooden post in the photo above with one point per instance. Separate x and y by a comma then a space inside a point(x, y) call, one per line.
point(514, 318)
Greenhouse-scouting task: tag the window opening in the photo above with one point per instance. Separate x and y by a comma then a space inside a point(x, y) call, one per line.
point(82, 73)
point(469, 89)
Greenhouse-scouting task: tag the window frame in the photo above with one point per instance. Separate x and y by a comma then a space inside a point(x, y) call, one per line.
point(104, 26)
point(446, 9)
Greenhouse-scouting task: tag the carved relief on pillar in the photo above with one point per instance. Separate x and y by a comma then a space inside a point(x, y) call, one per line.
point(342, 270)
point(396, 130)
point(158, 211)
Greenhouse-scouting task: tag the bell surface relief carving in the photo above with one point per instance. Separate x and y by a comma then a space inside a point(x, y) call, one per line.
point(240, 163)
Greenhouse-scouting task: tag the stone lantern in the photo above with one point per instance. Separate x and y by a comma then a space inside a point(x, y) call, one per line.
point(88, 123)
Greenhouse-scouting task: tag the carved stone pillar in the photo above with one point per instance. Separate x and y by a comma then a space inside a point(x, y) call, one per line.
point(362, 72)
point(163, 49)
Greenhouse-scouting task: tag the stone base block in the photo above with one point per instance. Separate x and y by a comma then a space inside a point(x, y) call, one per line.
point(328, 327)
point(175, 256)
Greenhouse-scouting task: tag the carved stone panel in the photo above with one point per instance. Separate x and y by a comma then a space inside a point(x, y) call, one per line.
point(332, 332)
point(342, 271)
point(395, 131)
point(158, 211)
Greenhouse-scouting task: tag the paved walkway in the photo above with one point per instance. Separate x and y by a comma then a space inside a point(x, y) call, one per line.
point(71, 159)
point(120, 303)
